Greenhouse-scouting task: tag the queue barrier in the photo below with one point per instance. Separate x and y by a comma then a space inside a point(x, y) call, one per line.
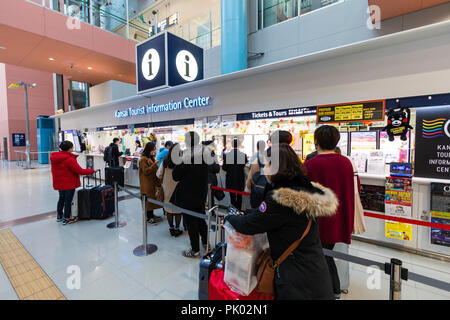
point(393, 268)
point(21, 156)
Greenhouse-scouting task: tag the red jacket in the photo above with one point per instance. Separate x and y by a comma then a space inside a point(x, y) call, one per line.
point(335, 172)
point(66, 171)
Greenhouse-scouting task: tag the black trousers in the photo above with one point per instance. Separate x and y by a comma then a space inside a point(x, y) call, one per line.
point(236, 200)
point(65, 203)
point(196, 228)
point(333, 270)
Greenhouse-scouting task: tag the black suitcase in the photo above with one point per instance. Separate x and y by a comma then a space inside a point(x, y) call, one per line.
point(102, 202)
point(212, 260)
point(115, 174)
point(208, 263)
point(84, 197)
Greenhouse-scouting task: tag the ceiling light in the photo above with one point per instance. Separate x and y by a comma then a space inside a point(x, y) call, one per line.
point(2, 48)
point(90, 68)
point(51, 59)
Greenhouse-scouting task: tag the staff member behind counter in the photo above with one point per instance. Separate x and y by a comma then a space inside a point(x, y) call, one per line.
point(112, 154)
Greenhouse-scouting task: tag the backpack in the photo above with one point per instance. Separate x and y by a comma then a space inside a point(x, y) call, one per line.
point(259, 183)
point(107, 155)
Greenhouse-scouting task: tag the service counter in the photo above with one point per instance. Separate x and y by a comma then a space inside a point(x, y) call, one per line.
point(96, 162)
point(420, 210)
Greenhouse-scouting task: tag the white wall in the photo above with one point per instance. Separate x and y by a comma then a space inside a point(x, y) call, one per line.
point(408, 64)
point(110, 91)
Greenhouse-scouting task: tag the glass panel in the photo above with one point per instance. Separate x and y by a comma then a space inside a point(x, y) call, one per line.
point(311, 5)
point(276, 11)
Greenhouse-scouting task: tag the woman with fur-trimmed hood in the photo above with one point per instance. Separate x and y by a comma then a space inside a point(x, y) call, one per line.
point(290, 201)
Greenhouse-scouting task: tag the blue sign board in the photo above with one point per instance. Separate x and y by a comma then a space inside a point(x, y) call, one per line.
point(18, 139)
point(167, 60)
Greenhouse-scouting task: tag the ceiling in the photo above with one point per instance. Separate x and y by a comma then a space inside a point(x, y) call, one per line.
point(88, 54)
point(395, 8)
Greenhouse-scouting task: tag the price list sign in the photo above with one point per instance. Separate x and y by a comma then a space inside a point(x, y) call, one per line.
point(351, 112)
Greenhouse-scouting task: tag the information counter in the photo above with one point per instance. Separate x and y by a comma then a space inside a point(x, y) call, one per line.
point(96, 162)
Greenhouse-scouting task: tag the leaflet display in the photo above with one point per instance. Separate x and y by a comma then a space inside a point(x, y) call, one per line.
point(440, 213)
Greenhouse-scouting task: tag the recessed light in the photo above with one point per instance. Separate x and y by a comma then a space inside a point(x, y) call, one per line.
point(90, 68)
point(51, 59)
point(2, 48)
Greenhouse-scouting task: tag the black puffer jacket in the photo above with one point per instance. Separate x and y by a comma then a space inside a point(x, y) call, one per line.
point(233, 164)
point(284, 215)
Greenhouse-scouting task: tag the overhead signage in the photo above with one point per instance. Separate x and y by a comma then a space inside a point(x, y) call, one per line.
point(18, 139)
point(168, 22)
point(351, 112)
point(283, 113)
point(166, 60)
point(186, 103)
point(110, 128)
point(432, 156)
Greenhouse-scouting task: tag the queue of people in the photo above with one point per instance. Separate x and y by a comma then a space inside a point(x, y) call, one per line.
point(316, 198)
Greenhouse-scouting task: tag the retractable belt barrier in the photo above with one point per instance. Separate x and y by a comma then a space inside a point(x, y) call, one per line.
point(393, 268)
point(367, 214)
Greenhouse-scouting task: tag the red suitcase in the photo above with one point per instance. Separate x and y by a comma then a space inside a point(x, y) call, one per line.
point(218, 290)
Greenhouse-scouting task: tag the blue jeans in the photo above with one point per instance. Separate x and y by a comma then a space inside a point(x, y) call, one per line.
point(65, 203)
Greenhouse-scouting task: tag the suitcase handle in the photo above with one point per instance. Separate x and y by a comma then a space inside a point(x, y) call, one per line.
point(94, 176)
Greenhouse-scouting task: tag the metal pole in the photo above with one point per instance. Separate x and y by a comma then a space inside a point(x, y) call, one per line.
point(116, 224)
point(145, 249)
point(28, 128)
point(395, 285)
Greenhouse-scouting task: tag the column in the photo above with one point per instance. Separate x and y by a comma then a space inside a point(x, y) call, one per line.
point(234, 35)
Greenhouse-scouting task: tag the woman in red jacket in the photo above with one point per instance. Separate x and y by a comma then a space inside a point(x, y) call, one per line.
point(335, 172)
point(66, 178)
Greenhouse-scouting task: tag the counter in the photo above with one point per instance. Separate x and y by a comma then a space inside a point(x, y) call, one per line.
point(421, 202)
point(131, 173)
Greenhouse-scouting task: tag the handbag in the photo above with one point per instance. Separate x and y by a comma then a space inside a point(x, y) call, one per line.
point(266, 267)
point(359, 225)
point(159, 191)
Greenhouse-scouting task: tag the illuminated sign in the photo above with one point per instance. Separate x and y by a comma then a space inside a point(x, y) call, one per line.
point(351, 112)
point(186, 103)
point(167, 60)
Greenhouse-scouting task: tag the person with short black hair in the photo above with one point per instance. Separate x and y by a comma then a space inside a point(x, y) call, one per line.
point(291, 204)
point(66, 178)
point(234, 164)
point(191, 191)
point(333, 171)
point(112, 154)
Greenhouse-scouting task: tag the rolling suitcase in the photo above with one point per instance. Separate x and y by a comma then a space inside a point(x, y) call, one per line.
point(115, 174)
point(211, 261)
point(101, 202)
point(74, 209)
point(84, 197)
point(343, 267)
point(218, 290)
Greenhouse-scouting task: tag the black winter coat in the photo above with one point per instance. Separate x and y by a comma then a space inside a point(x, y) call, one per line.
point(234, 164)
point(284, 215)
point(191, 190)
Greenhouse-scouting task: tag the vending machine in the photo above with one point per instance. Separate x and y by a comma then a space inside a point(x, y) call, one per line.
point(45, 137)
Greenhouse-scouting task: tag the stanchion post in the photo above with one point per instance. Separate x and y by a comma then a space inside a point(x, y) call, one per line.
point(145, 249)
point(117, 223)
point(395, 285)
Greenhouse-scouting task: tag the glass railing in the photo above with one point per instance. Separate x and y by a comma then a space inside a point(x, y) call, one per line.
point(276, 11)
point(202, 30)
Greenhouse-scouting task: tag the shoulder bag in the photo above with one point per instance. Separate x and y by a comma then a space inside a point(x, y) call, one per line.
point(266, 267)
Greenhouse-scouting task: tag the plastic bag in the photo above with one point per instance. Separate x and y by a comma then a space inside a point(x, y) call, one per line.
point(242, 253)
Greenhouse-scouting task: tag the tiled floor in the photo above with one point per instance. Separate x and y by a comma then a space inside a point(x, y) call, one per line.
point(109, 270)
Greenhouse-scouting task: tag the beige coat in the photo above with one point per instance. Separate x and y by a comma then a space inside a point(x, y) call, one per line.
point(359, 225)
point(148, 180)
point(168, 184)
